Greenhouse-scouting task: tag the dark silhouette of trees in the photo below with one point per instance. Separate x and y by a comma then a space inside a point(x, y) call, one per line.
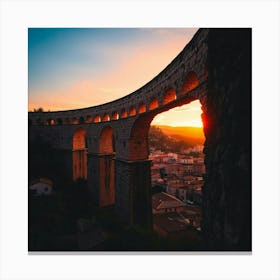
point(39, 110)
point(165, 143)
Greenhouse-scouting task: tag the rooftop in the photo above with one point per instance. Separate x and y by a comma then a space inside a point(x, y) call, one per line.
point(164, 200)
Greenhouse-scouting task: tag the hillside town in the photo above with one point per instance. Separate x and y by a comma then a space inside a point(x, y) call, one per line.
point(177, 180)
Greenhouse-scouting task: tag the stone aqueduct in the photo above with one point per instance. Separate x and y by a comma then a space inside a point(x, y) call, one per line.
point(108, 144)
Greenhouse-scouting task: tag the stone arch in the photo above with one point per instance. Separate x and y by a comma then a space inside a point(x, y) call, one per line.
point(139, 186)
point(97, 119)
point(123, 113)
point(79, 154)
point(106, 167)
point(81, 120)
point(88, 119)
point(142, 108)
point(115, 116)
point(153, 104)
point(190, 82)
point(132, 111)
point(75, 121)
point(169, 96)
point(224, 147)
point(79, 139)
point(67, 121)
point(106, 141)
point(138, 141)
point(106, 118)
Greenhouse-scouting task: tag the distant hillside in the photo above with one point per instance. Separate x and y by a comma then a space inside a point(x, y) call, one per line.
point(193, 135)
point(175, 139)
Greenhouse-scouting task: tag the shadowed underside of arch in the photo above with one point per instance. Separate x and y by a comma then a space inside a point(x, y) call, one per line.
point(169, 96)
point(190, 82)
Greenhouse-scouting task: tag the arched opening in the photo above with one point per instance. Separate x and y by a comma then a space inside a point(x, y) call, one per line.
point(169, 96)
point(106, 118)
point(51, 122)
point(79, 154)
point(142, 108)
point(59, 121)
point(176, 142)
point(170, 157)
point(75, 121)
point(97, 119)
point(123, 113)
point(153, 104)
point(38, 122)
point(106, 167)
point(81, 120)
point(132, 111)
point(115, 116)
point(106, 141)
point(89, 119)
point(138, 179)
point(190, 82)
point(67, 121)
point(138, 142)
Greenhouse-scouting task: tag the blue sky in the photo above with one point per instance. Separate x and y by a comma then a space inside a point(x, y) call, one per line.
point(58, 55)
point(80, 67)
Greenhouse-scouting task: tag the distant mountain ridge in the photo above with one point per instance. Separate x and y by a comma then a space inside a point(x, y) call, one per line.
point(175, 139)
point(194, 135)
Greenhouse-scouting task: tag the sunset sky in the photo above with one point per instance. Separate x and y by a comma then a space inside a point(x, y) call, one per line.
point(72, 68)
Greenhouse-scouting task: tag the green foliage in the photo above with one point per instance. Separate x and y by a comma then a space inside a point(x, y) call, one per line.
point(161, 141)
point(39, 110)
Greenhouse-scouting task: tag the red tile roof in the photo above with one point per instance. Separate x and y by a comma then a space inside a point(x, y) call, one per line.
point(164, 200)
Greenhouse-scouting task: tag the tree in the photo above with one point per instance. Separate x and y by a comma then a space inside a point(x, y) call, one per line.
point(39, 110)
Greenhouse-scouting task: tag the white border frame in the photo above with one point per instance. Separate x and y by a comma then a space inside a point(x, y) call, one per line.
point(17, 16)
